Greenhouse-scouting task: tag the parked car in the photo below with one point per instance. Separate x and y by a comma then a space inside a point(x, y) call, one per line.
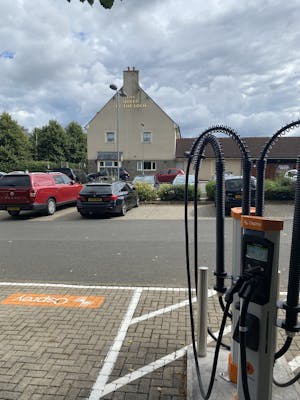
point(180, 180)
point(37, 191)
point(148, 179)
point(234, 190)
point(226, 174)
point(168, 175)
point(77, 175)
point(107, 198)
point(291, 174)
point(97, 176)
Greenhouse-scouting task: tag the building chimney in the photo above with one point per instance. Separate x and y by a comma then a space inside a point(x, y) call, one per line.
point(131, 81)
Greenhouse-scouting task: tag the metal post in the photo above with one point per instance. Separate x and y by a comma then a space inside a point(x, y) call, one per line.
point(202, 297)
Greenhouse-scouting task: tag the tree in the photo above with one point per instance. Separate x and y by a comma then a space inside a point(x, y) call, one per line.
point(50, 142)
point(104, 3)
point(14, 143)
point(76, 143)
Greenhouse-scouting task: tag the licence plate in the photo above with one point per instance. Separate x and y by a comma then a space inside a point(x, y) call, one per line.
point(94, 199)
point(13, 208)
point(238, 196)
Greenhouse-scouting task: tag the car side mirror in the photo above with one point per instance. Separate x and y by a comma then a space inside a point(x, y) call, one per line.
point(72, 182)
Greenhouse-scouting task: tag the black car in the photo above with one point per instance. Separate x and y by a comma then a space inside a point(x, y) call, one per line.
point(234, 190)
point(107, 198)
point(77, 175)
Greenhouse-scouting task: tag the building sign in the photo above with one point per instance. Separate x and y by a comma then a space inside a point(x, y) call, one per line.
point(133, 102)
point(53, 300)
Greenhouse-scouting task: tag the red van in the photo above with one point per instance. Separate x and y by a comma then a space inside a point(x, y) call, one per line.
point(37, 191)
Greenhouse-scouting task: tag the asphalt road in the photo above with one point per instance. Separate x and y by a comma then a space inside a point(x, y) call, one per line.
point(144, 248)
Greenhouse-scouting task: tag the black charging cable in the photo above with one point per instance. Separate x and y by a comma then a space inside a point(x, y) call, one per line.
point(245, 293)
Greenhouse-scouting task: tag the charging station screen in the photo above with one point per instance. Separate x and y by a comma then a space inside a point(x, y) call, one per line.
point(257, 252)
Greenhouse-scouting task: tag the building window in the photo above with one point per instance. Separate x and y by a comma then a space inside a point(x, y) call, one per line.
point(108, 164)
point(147, 137)
point(148, 166)
point(110, 137)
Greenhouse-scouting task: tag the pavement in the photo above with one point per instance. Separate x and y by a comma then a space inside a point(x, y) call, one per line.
point(61, 341)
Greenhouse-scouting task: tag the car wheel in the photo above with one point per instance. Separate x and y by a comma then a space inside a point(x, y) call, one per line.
point(13, 213)
point(83, 213)
point(137, 203)
point(123, 209)
point(51, 206)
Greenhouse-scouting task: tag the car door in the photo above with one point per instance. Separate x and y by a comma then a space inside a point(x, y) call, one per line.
point(71, 188)
point(61, 193)
point(131, 195)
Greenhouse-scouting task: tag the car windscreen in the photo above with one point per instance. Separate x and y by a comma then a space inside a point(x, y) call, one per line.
point(97, 189)
point(15, 181)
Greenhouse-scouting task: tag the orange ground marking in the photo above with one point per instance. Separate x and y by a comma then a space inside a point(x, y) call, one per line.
point(53, 300)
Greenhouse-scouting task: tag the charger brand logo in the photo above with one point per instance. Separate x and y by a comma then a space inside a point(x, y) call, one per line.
point(53, 300)
point(261, 223)
point(252, 224)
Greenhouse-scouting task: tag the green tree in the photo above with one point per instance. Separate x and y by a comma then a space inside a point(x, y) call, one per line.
point(14, 143)
point(51, 142)
point(76, 143)
point(104, 3)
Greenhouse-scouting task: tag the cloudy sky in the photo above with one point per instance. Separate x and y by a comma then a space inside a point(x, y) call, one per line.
point(229, 62)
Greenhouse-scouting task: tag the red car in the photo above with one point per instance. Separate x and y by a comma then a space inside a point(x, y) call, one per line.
point(37, 191)
point(168, 175)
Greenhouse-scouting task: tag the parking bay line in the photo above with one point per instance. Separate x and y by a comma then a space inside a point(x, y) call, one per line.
point(113, 352)
point(125, 380)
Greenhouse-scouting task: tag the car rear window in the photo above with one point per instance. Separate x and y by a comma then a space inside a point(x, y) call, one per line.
point(97, 189)
point(15, 181)
point(233, 184)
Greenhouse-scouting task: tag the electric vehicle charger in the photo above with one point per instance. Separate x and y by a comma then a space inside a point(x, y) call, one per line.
point(198, 150)
point(246, 320)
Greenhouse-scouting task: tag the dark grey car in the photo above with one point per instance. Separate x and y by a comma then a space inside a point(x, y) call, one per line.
point(107, 198)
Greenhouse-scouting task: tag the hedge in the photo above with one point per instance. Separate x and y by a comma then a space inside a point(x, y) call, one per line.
point(146, 192)
point(176, 192)
point(210, 189)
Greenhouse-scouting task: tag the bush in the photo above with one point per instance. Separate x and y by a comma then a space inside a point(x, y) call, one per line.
point(279, 189)
point(175, 192)
point(146, 192)
point(210, 189)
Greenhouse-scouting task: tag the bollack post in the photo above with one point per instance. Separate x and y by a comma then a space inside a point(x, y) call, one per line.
point(202, 297)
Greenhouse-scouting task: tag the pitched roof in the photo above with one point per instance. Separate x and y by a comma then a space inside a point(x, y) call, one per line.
point(286, 147)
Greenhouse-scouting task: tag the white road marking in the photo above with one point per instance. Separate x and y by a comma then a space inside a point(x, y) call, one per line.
point(113, 353)
point(98, 287)
point(164, 310)
point(147, 369)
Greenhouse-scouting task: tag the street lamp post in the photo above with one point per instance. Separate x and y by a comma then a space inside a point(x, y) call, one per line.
point(119, 92)
point(143, 161)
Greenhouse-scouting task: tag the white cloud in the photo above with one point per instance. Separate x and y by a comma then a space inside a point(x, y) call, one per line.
point(232, 63)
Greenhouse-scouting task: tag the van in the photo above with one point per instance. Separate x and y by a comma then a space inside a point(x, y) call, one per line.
point(38, 191)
